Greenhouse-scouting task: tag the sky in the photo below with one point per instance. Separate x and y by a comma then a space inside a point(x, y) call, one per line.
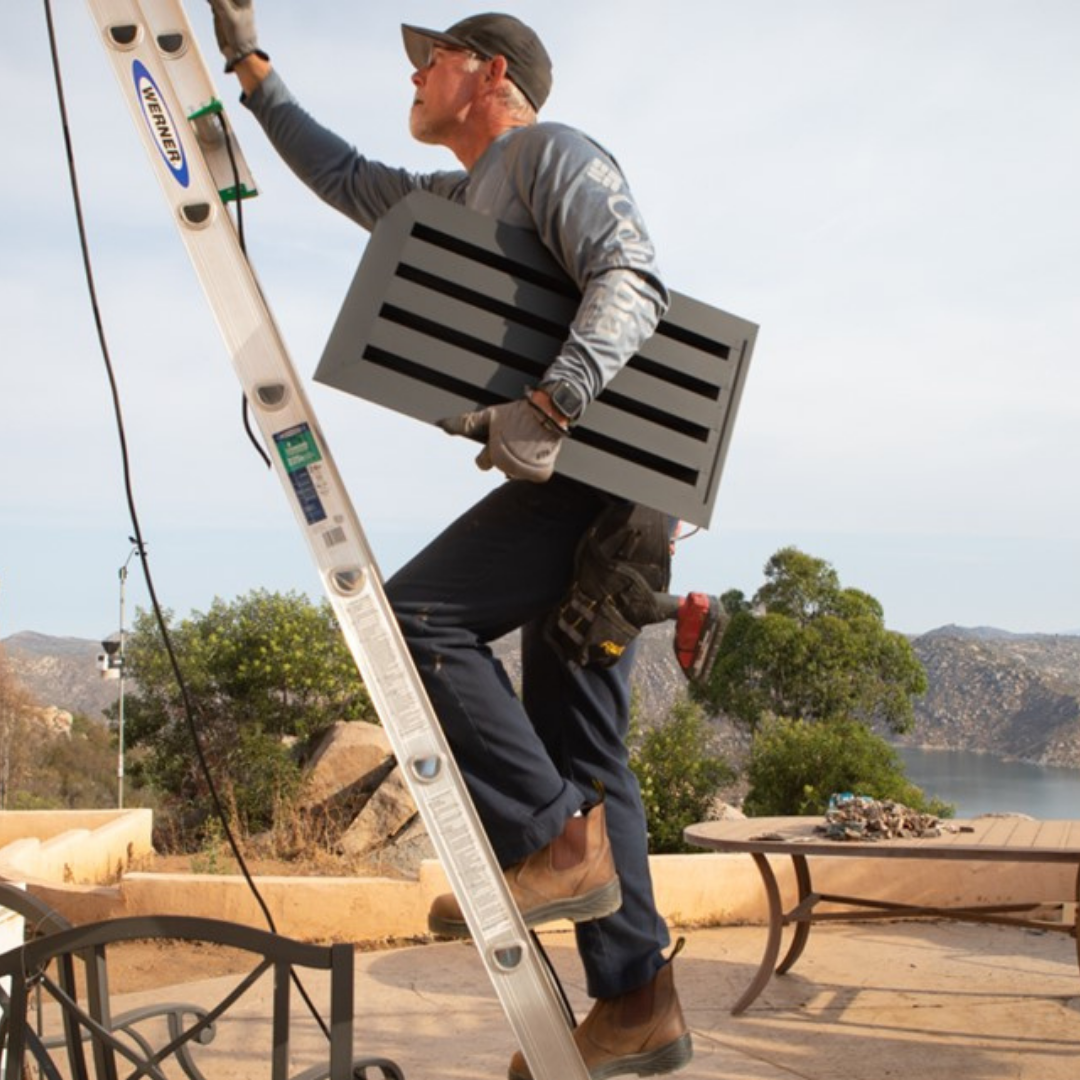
point(888, 189)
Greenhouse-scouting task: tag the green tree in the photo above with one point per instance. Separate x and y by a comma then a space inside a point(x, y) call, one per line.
point(806, 648)
point(261, 672)
point(679, 772)
point(796, 765)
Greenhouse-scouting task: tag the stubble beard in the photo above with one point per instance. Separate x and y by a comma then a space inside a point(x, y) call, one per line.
point(428, 129)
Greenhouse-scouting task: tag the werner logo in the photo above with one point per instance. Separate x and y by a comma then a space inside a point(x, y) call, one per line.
point(160, 122)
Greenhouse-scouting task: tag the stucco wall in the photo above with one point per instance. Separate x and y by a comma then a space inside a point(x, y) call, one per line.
point(691, 890)
point(84, 847)
point(70, 867)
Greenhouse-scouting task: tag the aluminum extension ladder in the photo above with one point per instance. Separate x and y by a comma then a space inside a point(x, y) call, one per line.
point(180, 119)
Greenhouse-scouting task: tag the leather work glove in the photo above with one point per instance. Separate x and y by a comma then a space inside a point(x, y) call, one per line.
point(234, 27)
point(521, 440)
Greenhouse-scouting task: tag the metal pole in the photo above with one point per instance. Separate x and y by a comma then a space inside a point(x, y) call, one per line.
point(120, 652)
point(120, 722)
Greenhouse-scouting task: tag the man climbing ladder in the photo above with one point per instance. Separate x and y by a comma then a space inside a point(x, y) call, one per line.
point(548, 772)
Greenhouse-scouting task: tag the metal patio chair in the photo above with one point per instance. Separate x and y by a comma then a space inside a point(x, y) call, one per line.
point(67, 967)
point(40, 919)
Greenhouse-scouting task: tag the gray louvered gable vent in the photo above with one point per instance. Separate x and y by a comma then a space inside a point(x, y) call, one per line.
point(450, 310)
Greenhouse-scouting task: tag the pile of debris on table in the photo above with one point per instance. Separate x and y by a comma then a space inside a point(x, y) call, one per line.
point(857, 817)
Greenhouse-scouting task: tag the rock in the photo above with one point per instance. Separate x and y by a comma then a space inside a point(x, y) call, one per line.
point(858, 817)
point(355, 786)
point(388, 833)
point(351, 758)
point(54, 721)
point(389, 810)
point(404, 854)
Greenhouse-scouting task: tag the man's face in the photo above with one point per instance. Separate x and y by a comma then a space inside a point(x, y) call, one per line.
point(445, 89)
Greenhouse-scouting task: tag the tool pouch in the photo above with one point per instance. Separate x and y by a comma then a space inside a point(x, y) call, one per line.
point(621, 562)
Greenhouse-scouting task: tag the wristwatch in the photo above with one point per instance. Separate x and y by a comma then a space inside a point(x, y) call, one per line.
point(568, 400)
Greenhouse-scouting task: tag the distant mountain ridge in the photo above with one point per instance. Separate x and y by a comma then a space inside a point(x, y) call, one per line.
point(62, 672)
point(29, 643)
point(1016, 696)
point(988, 633)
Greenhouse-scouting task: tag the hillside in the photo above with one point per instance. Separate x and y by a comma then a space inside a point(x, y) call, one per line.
point(657, 679)
point(61, 672)
point(64, 672)
point(1014, 696)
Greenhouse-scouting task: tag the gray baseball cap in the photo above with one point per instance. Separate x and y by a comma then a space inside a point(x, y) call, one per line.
point(527, 62)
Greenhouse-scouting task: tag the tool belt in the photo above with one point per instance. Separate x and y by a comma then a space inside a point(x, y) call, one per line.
point(621, 563)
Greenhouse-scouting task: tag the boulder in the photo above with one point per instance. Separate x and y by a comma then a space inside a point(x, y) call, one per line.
point(356, 789)
point(725, 811)
point(54, 721)
point(384, 817)
point(348, 755)
point(350, 761)
point(404, 854)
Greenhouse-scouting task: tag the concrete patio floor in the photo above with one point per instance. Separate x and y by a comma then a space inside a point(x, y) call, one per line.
point(888, 1001)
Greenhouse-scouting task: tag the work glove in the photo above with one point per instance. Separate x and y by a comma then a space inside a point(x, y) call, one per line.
point(520, 440)
point(234, 27)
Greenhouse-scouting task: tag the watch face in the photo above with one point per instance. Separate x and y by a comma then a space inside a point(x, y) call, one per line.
point(567, 400)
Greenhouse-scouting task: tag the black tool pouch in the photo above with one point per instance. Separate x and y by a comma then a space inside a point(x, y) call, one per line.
point(621, 562)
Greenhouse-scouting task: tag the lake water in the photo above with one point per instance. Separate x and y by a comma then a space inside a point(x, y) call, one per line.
point(981, 784)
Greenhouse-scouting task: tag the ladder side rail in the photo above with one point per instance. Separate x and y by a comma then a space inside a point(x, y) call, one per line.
point(335, 537)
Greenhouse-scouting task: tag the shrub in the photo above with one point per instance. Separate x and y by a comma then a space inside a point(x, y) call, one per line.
point(261, 672)
point(679, 774)
point(795, 765)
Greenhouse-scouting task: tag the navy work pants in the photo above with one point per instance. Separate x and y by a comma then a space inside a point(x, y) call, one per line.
point(531, 762)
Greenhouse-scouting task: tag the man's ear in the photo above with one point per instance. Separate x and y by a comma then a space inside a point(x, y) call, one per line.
point(497, 70)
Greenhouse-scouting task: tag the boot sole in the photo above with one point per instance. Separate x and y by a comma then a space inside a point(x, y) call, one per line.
point(667, 1059)
point(605, 900)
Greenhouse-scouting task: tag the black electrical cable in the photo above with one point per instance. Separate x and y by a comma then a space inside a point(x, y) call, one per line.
point(245, 414)
point(564, 998)
point(189, 710)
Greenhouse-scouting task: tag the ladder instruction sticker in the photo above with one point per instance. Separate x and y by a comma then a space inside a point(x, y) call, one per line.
point(299, 453)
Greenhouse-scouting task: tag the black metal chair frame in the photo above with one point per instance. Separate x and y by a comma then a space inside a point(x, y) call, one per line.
point(39, 920)
point(51, 940)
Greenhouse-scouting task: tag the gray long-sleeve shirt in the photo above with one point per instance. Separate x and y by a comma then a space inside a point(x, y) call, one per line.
point(546, 177)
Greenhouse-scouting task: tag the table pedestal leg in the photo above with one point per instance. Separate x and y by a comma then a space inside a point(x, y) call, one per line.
point(802, 925)
point(772, 944)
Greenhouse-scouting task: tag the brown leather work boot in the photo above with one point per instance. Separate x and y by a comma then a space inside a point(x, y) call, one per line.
point(642, 1032)
point(573, 878)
